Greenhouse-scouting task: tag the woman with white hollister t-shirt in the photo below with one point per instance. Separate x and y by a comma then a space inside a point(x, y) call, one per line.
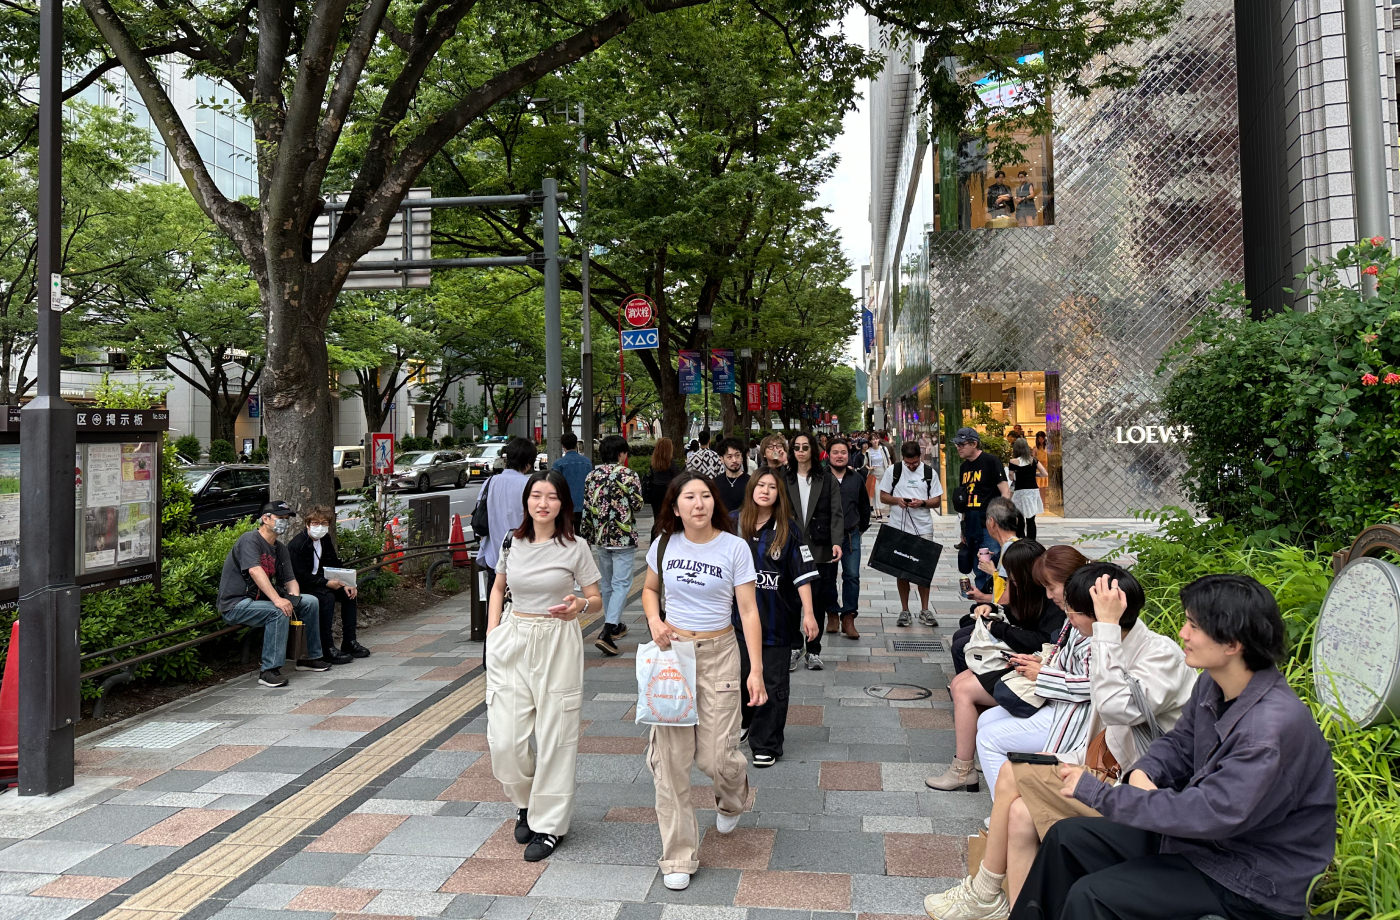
point(698, 569)
point(534, 662)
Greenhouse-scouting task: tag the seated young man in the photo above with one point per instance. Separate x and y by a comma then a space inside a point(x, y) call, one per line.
point(1232, 812)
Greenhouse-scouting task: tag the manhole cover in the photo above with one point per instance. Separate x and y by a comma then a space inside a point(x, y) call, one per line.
point(159, 735)
point(918, 645)
point(899, 692)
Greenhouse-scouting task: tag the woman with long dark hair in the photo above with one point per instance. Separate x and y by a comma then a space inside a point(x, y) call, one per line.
point(664, 467)
point(702, 570)
point(1030, 620)
point(784, 597)
point(817, 505)
point(534, 662)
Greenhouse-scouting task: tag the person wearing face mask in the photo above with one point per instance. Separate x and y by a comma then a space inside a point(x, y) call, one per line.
point(248, 596)
point(312, 551)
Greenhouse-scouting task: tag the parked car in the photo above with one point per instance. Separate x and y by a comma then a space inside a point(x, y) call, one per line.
point(499, 463)
point(427, 469)
point(349, 464)
point(226, 493)
point(481, 459)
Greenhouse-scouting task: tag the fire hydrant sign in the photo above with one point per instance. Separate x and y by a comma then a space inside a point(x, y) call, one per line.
point(638, 310)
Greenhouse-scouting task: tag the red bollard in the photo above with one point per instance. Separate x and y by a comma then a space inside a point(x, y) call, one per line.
point(9, 712)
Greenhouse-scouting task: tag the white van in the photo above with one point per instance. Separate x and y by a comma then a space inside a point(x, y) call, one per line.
point(349, 464)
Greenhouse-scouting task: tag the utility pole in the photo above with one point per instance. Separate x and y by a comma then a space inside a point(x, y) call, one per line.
point(553, 324)
point(48, 605)
point(586, 351)
point(1368, 147)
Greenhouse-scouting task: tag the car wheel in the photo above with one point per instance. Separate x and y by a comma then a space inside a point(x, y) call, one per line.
point(337, 487)
point(423, 483)
point(461, 479)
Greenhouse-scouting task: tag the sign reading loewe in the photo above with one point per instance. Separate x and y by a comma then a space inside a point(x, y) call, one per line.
point(1152, 434)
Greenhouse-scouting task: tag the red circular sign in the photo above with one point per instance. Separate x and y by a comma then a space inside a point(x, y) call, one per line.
point(637, 309)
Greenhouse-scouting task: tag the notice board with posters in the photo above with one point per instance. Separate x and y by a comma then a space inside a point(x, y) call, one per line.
point(116, 470)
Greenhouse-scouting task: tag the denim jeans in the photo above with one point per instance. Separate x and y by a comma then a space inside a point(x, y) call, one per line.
point(274, 625)
point(975, 536)
point(850, 574)
point(615, 569)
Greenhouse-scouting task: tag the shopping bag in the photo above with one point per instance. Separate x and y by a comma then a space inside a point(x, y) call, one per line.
point(666, 684)
point(905, 555)
point(296, 640)
point(984, 652)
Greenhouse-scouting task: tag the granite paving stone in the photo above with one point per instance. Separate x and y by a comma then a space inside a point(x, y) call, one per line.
point(698, 912)
point(925, 855)
point(271, 896)
point(47, 855)
point(254, 913)
point(744, 848)
point(23, 882)
point(818, 851)
point(801, 890)
point(409, 903)
point(108, 823)
point(443, 764)
point(181, 828)
point(880, 894)
point(513, 877)
point(249, 783)
point(601, 882)
point(183, 779)
point(356, 833)
point(708, 886)
point(315, 868)
point(402, 873)
point(437, 836)
point(23, 907)
point(467, 907)
point(122, 860)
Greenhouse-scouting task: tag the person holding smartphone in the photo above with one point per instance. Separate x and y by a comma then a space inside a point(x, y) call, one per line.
point(534, 662)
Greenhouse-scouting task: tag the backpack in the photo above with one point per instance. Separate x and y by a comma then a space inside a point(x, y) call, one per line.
point(928, 478)
point(481, 523)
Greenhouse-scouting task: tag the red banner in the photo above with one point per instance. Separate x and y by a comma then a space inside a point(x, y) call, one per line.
point(755, 396)
point(775, 395)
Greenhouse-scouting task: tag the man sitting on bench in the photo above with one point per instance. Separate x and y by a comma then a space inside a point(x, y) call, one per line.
point(247, 595)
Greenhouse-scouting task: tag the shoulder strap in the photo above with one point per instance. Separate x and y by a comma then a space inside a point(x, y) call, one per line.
point(505, 551)
point(661, 569)
point(898, 468)
point(928, 479)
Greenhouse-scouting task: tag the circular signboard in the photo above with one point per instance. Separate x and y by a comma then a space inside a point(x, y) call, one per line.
point(637, 309)
point(1356, 650)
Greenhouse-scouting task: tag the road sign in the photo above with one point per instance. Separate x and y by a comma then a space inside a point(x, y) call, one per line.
point(640, 339)
point(638, 310)
point(381, 455)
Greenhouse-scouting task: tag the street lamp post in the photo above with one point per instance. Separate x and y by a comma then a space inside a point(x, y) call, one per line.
point(49, 600)
point(705, 322)
point(586, 350)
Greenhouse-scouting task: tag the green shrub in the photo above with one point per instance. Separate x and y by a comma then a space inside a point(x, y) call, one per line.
point(188, 446)
point(221, 451)
point(447, 441)
point(176, 499)
point(640, 449)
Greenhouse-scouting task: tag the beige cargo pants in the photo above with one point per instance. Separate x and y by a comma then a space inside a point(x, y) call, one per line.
point(534, 686)
point(712, 745)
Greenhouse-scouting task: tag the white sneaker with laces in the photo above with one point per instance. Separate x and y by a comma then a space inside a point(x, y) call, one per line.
point(797, 654)
point(725, 824)
point(676, 881)
point(904, 619)
point(926, 617)
point(814, 661)
point(961, 903)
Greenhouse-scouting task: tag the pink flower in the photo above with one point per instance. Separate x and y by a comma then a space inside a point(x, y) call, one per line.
point(1369, 337)
point(1391, 379)
point(1377, 240)
point(1369, 380)
point(1370, 270)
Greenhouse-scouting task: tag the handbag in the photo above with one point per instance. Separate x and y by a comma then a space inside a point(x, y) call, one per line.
point(984, 652)
point(1015, 692)
point(481, 522)
point(906, 556)
point(1100, 760)
point(296, 640)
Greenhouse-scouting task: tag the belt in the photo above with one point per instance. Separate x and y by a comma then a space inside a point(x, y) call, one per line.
point(691, 635)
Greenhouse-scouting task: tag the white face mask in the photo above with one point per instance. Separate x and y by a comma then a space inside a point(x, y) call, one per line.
point(317, 531)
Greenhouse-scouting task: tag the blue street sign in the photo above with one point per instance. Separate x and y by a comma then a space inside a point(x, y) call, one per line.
point(640, 339)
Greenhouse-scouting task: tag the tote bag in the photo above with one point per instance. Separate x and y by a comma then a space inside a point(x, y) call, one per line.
point(905, 555)
point(984, 652)
point(666, 684)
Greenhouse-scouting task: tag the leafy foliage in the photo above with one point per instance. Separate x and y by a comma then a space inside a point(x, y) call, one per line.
point(1306, 446)
point(221, 451)
point(188, 445)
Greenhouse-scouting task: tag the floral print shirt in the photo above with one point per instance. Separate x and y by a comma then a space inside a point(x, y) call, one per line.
point(612, 496)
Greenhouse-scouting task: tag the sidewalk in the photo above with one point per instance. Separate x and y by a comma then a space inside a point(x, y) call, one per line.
point(368, 791)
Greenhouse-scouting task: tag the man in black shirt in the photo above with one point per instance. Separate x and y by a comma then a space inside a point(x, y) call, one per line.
point(855, 503)
point(734, 480)
point(981, 478)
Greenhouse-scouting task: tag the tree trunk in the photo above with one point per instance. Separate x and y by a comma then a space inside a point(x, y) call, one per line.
point(728, 414)
point(297, 395)
point(371, 399)
point(223, 415)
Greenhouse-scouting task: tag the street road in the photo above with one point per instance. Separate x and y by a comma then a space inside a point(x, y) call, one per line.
point(347, 505)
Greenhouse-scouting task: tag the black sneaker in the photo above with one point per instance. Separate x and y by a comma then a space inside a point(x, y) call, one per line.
point(619, 630)
point(272, 677)
point(541, 845)
point(607, 641)
point(313, 664)
point(522, 827)
point(336, 656)
point(355, 650)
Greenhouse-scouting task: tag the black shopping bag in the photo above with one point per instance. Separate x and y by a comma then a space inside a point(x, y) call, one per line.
point(296, 640)
point(905, 555)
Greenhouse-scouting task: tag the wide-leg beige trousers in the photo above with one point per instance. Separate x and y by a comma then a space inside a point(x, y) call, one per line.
point(712, 745)
point(534, 686)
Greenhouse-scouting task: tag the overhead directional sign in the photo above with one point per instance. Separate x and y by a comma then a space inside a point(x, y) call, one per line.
point(640, 339)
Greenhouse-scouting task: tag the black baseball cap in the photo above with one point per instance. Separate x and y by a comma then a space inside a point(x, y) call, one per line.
point(967, 436)
point(281, 509)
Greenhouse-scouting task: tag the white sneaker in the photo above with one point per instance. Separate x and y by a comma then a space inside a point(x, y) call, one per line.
point(959, 903)
point(676, 881)
point(725, 824)
point(926, 617)
point(796, 659)
point(814, 661)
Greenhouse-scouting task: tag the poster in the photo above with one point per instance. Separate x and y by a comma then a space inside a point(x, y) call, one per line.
point(134, 532)
point(103, 475)
point(688, 366)
point(722, 370)
point(775, 396)
point(138, 471)
point(755, 396)
point(100, 533)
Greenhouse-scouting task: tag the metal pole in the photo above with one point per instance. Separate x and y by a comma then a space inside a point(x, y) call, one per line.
point(553, 325)
point(48, 599)
point(705, 385)
point(621, 378)
point(1368, 148)
point(586, 352)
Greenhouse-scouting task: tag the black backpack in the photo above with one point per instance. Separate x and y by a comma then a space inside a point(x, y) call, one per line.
point(898, 469)
point(481, 524)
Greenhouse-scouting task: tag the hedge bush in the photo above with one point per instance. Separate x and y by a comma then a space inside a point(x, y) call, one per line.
point(188, 446)
point(221, 451)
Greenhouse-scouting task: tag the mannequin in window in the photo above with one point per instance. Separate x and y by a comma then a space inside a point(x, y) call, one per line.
point(999, 197)
point(1026, 213)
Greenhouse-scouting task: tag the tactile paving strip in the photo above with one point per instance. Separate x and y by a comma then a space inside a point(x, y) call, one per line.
point(159, 736)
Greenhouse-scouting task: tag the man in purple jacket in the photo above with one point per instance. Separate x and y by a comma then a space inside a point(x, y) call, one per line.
point(1232, 812)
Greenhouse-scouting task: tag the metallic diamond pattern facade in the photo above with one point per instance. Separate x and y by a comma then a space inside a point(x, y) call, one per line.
point(1147, 225)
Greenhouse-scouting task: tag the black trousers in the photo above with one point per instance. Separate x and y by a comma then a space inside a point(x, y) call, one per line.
point(1097, 869)
point(349, 613)
point(824, 601)
point(961, 637)
point(766, 723)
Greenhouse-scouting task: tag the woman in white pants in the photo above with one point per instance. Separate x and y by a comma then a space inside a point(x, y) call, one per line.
point(534, 662)
point(702, 570)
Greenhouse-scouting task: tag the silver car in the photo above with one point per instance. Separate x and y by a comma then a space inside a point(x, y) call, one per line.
point(428, 469)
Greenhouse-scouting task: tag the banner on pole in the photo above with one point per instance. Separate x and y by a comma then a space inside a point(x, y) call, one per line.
point(868, 326)
point(775, 395)
point(688, 366)
point(755, 396)
point(722, 370)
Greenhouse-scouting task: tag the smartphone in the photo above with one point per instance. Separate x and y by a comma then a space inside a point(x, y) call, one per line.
point(1024, 757)
point(558, 608)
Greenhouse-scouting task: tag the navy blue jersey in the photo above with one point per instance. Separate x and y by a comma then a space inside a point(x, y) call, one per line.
point(779, 607)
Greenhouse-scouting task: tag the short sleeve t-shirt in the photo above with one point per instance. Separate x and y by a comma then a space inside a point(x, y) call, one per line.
point(546, 573)
point(699, 580)
point(252, 551)
point(911, 485)
point(980, 477)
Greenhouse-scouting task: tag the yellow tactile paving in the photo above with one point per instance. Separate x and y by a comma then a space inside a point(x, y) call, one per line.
point(205, 874)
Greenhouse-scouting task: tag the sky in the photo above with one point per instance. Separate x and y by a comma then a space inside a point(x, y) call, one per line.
point(847, 192)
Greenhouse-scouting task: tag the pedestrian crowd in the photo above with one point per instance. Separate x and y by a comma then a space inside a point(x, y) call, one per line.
point(1131, 776)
